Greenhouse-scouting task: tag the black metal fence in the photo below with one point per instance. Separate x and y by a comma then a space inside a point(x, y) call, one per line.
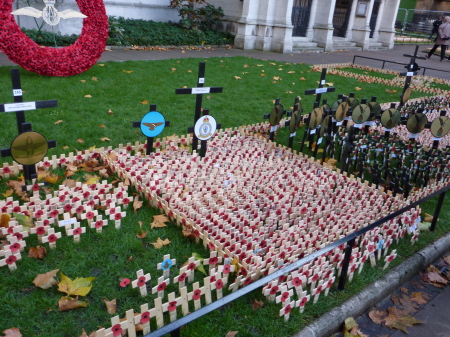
point(349, 242)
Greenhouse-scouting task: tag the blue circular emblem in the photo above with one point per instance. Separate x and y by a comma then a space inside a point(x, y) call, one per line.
point(166, 264)
point(152, 124)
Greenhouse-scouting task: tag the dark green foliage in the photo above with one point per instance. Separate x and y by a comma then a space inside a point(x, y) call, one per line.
point(48, 38)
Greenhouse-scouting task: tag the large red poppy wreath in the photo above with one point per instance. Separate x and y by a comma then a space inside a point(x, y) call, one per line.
point(49, 61)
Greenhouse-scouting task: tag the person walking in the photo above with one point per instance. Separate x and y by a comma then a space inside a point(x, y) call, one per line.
point(443, 38)
point(435, 29)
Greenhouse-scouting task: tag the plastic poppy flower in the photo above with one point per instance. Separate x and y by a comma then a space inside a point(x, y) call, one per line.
point(77, 231)
point(93, 187)
point(6, 170)
point(297, 281)
point(318, 290)
point(54, 213)
point(287, 309)
point(90, 215)
point(391, 258)
point(145, 317)
point(99, 224)
point(117, 216)
point(11, 259)
point(182, 277)
point(219, 284)
point(47, 164)
point(248, 280)
point(141, 281)
point(161, 286)
point(124, 282)
point(191, 266)
point(315, 277)
point(52, 238)
point(86, 194)
point(79, 209)
point(40, 231)
point(212, 279)
point(18, 236)
point(125, 201)
point(36, 187)
point(91, 203)
point(15, 247)
point(117, 330)
point(226, 269)
point(284, 296)
point(213, 260)
point(172, 306)
point(197, 294)
point(16, 209)
point(303, 301)
point(274, 290)
point(46, 222)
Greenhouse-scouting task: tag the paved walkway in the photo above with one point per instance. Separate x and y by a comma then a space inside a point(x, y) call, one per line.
point(436, 313)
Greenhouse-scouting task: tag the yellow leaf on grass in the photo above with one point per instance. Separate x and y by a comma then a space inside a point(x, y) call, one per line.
point(65, 147)
point(236, 77)
point(59, 122)
point(83, 81)
point(101, 64)
point(8, 193)
point(102, 126)
point(159, 221)
point(12, 332)
point(88, 96)
point(91, 179)
point(302, 79)
point(358, 88)
point(105, 139)
point(38, 252)
point(110, 112)
point(4, 220)
point(127, 71)
point(144, 102)
point(291, 72)
point(257, 304)
point(94, 78)
point(262, 75)
point(142, 235)
point(137, 204)
point(67, 303)
point(81, 286)
point(111, 306)
point(52, 179)
point(329, 84)
point(46, 280)
point(79, 140)
point(160, 243)
point(231, 333)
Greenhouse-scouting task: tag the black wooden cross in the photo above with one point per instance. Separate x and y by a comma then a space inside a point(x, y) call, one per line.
point(411, 69)
point(29, 171)
point(274, 117)
point(320, 90)
point(199, 91)
point(149, 148)
point(203, 143)
point(19, 106)
point(295, 120)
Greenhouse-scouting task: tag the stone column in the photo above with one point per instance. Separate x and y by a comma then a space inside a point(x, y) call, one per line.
point(246, 26)
point(282, 27)
point(264, 29)
point(323, 24)
point(351, 20)
point(361, 27)
point(376, 33)
point(312, 15)
point(386, 29)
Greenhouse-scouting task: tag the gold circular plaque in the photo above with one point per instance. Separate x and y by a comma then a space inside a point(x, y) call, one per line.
point(391, 118)
point(416, 123)
point(352, 101)
point(316, 118)
point(375, 108)
point(361, 113)
point(406, 95)
point(276, 114)
point(29, 148)
point(296, 118)
point(325, 124)
point(440, 126)
point(341, 111)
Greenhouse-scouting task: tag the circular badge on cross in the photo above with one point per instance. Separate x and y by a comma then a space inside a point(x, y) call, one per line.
point(29, 148)
point(152, 124)
point(205, 127)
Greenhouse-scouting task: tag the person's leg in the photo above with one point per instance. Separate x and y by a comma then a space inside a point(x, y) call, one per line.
point(443, 49)
point(432, 51)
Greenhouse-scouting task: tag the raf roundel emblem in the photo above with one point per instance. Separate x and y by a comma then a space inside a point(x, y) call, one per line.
point(205, 127)
point(152, 124)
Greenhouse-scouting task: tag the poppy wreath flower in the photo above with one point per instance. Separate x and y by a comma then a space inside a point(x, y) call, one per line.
point(297, 281)
point(15, 247)
point(99, 224)
point(48, 61)
point(18, 236)
point(197, 294)
point(182, 277)
point(36, 187)
point(303, 301)
point(124, 282)
point(145, 317)
point(117, 216)
point(213, 260)
point(11, 259)
point(226, 269)
point(287, 309)
point(54, 213)
point(90, 215)
point(77, 231)
point(191, 266)
point(141, 281)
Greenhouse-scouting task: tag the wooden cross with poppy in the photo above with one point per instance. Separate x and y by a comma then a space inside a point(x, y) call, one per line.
point(271, 290)
point(141, 282)
point(213, 260)
point(171, 306)
point(192, 263)
point(226, 269)
point(10, 258)
point(388, 259)
point(181, 278)
point(99, 223)
point(286, 309)
point(51, 238)
point(117, 216)
point(235, 286)
point(218, 285)
point(297, 281)
point(317, 290)
point(34, 187)
point(15, 244)
point(117, 327)
point(89, 214)
point(166, 265)
point(328, 284)
point(67, 222)
point(144, 318)
point(40, 230)
point(162, 284)
point(15, 231)
point(304, 298)
point(196, 295)
point(285, 295)
point(76, 231)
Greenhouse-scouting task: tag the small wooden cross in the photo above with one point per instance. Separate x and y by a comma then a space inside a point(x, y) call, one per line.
point(297, 281)
point(271, 290)
point(172, 305)
point(144, 318)
point(235, 286)
point(286, 309)
point(316, 291)
point(196, 295)
point(302, 301)
point(10, 259)
point(218, 285)
point(285, 296)
point(51, 238)
point(388, 259)
point(67, 222)
point(166, 265)
point(192, 263)
point(141, 281)
point(213, 260)
point(99, 224)
point(15, 244)
point(162, 284)
point(181, 278)
point(40, 230)
point(117, 217)
point(226, 269)
point(117, 327)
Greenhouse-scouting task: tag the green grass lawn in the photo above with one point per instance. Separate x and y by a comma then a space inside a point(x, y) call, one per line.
point(107, 256)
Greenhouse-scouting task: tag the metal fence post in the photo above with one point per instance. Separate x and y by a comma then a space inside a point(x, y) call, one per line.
point(346, 263)
point(437, 211)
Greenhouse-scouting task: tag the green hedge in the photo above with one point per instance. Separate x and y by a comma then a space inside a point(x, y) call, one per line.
point(127, 32)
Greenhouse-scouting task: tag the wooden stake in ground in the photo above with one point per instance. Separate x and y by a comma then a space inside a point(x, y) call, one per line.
point(144, 318)
point(10, 259)
point(51, 238)
point(166, 265)
point(162, 284)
